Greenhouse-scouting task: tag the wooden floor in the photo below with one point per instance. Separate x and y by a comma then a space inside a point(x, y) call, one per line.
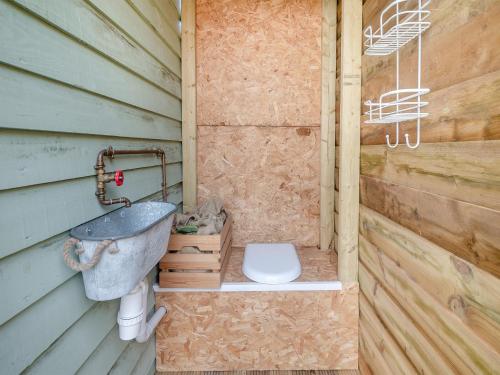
point(274, 372)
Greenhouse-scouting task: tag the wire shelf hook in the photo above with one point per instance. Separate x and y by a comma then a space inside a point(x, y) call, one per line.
point(407, 137)
point(397, 138)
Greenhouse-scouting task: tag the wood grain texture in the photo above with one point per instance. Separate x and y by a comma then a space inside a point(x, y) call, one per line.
point(472, 235)
point(258, 330)
point(429, 252)
point(259, 62)
point(459, 342)
point(327, 153)
point(466, 171)
point(393, 355)
point(363, 368)
point(368, 349)
point(466, 111)
point(447, 15)
point(350, 93)
point(191, 279)
point(206, 242)
point(424, 355)
point(204, 270)
point(469, 292)
point(338, 72)
point(189, 103)
point(447, 60)
point(268, 179)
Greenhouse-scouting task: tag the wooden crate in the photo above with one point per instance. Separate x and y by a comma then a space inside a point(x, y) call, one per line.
point(202, 270)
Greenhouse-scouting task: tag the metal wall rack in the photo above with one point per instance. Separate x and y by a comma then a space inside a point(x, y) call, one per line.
point(399, 24)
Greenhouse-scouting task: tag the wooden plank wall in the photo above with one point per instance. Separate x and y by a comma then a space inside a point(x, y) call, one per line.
point(73, 80)
point(430, 217)
point(258, 115)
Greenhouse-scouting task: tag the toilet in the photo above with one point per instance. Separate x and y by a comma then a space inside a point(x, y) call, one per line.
point(271, 263)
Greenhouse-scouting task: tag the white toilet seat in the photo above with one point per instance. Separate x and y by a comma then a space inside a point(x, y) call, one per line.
point(271, 263)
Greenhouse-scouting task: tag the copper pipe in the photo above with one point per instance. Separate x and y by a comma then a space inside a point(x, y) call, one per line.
point(103, 178)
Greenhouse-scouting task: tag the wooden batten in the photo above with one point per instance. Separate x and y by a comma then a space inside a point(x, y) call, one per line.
point(327, 152)
point(350, 96)
point(189, 147)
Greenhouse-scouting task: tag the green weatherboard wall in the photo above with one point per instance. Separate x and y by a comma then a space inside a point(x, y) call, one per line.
point(75, 77)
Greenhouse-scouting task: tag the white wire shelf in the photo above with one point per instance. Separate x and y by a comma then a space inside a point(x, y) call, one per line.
point(397, 27)
point(396, 106)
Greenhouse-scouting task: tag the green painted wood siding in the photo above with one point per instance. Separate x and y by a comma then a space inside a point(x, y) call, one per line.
point(75, 77)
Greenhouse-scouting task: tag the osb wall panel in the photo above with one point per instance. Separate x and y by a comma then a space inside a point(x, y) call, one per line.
point(258, 62)
point(258, 331)
point(268, 178)
point(258, 115)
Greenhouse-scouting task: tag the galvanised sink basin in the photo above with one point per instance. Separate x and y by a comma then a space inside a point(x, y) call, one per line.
point(140, 235)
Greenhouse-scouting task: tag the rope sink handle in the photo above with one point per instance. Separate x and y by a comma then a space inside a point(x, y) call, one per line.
point(76, 245)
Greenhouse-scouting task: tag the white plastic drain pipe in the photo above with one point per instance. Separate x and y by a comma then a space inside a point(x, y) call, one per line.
point(133, 314)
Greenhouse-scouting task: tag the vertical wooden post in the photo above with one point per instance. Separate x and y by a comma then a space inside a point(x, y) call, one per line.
point(350, 102)
point(328, 65)
point(189, 172)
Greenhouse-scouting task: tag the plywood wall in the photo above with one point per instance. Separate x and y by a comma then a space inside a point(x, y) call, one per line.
point(258, 115)
point(235, 331)
point(430, 217)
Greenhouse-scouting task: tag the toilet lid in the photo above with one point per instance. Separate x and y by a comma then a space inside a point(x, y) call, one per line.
point(271, 263)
